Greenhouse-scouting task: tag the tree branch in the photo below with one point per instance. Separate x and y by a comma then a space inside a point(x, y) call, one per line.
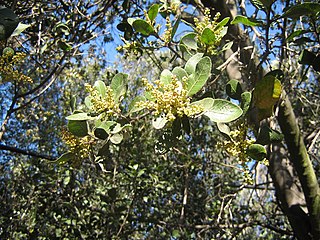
point(25, 152)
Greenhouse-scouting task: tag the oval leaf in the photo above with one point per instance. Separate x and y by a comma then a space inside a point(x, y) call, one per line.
point(159, 123)
point(100, 87)
point(234, 89)
point(223, 111)
point(142, 27)
point(166, 76)
point(208, 37)
point(153, 12)
point(118, 85)
point(257, 152)
point(133, 105)
point(78, 128)
point(245, 21)
point(79, 117)
point(197, 80)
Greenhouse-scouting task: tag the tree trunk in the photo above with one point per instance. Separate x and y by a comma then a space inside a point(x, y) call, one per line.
point(294, 178)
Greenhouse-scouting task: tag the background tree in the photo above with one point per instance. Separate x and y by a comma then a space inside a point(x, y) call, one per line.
point(161, 183)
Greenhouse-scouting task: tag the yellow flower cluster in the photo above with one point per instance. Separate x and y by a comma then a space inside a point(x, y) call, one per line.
point(169, 100)
point(80, 147)
point(208, 22)
point(8, 63)
point(102, 104)
point(168, 32)
point(237, 147)
point(129, 47)
point(239, 143)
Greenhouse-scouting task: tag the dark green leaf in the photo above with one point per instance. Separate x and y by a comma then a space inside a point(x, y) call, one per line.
point(306, 57)
point(142, 27)
point(245, 101)
point(268, 136)
point(78, 128)
point(296, 34)
point(302, 9)
point(8, 23)
point(257, 152)
point(153, 12)
point(64, 158)
point(234, 89)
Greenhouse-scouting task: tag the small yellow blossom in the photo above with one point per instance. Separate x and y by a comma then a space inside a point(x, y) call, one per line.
point(102, 104)
point(8, 64)
point(80, 147)
point(208, 22)
point(168, 32)
point(170, 99)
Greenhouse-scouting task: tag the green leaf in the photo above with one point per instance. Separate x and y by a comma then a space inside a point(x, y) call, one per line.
point(116, 138)
point(87, 102)
point(118, 85)
point(223, 111)
point(222, 23)
point(79, 117)
point(257, 152)
point(246, 21)
point(166, 76)
point(78, 128)
point(159, 123)
point(191, 64)
point(306, 57)
point(153, 12)
point(224, 129)
point(302, 9)
point(296, 33)
point(208, 37)
point(100, 87)
point(197, 80)
point(206, 103)
point(142, 27)
point(179, 72)
point(267, 92)
point(234, 89)
point(176, 233)
point(8, 23)
point(64, 158)
point(245, 101)
point(268, 136)
point(104, 129)
point(132, 106)
point(175, 27)
point(20, 28)
point(189, 40)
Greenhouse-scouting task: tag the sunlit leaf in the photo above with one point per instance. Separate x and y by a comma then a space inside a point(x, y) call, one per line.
point(189, 41)
point(191, 64)
point(133, 105)
point(119, 85)
point(153, 12)
point(116, 138)
point(159, 122)
point(79, 117)
point(208, 36)
point(166, 76)
point(245, 21)
point(197, 80)
point(223, 111)
point(100, 87)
